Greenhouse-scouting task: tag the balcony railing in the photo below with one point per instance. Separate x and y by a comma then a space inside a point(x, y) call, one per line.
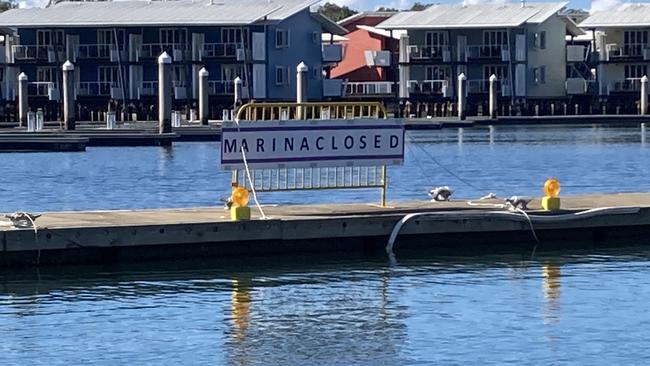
point(368, 88)
point(221, 50)
point(480, 86)
point(615, 51)
point(96, 88)
point(625, 86)
point(34, 52)
point(429, 87)
point(488, 52)
point(152, 50)
point(425, 52)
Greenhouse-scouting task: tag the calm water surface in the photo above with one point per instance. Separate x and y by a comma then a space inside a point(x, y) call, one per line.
point(515, 161)
point(568, 308)
point(571, 308)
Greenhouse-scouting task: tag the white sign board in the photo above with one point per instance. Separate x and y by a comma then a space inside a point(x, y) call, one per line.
point(316, 143)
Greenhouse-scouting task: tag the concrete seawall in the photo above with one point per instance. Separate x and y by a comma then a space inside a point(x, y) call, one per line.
point(115, 236)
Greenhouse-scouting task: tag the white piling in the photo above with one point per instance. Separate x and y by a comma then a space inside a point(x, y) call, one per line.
point(644, 94)
point(68, 96)
point(493, 96)
point(462, 86)
point(301, 89)
point(203, 96)
point(23, 99)
point(164, 93)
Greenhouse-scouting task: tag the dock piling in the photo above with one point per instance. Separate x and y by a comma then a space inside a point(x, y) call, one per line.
point(462, 81)
point(23, 101)
point(68, 96)
point(238, 90)
point(203, 96)
point(644, 95)
point(493, 96)
point(164, 93)
point(301, 88)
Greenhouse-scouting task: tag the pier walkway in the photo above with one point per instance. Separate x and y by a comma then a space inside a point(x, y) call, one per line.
point(111, 236)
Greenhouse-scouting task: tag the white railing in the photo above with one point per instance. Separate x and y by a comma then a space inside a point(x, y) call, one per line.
point(33, 52)
point(626, 51)
point(153, 50)
point(625, 85)
point(221, 49)
point(368, 88)
point(418, 52)
point(429, 86)
point(92, 88)
point(487, 52)
point(93, 51)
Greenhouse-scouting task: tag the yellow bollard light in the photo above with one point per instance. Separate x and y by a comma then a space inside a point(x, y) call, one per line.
point(239, 199)
point(551, 201)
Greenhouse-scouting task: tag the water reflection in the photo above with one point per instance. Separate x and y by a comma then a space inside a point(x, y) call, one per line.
point(551, 286)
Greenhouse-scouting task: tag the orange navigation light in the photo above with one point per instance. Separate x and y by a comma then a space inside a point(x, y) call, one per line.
point(239, 196)
point(551, 187)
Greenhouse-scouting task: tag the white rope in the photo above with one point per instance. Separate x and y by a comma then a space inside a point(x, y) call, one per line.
point(250, 180)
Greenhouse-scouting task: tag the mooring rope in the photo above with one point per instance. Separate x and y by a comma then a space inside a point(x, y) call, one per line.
point(248, 176)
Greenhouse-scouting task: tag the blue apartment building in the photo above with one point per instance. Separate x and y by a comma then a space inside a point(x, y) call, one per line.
point(115, 45)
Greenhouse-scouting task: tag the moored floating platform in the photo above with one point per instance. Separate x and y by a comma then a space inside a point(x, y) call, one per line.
point(42, 143)
point(114, 236)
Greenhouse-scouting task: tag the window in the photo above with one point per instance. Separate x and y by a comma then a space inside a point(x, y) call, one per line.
point(281, 75)
point(317, 72)
point(317, 37)
point(230, 72)
point(436, 42)
point(281, 38)
point(234, 35)
point(46, 74)
point(539, 40)
point(48, 37)
point(173, 36)
point(495, 38)
point(635, 71)
point(108, 77)
point(437, 73)
point(634, 42)
point(539, 75)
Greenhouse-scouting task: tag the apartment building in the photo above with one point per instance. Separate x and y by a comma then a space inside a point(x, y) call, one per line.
point(114, 47)
point(523, 44)
point(620, 38)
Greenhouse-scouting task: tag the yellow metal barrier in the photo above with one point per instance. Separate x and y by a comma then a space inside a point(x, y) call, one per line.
point(314, 178)
point(310, 110)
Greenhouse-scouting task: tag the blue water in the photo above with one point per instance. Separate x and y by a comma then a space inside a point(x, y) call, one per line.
point(589, 159)
point(566, 309)
point(559, 309)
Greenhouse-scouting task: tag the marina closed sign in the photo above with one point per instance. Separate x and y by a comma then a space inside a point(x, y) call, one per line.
point(314, 143)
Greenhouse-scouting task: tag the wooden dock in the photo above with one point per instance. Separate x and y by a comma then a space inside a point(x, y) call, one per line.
point(451, 228)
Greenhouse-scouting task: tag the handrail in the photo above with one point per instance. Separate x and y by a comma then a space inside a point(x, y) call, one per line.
point(315, 110)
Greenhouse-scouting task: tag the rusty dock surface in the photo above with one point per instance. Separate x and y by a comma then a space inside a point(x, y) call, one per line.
point(451, 227)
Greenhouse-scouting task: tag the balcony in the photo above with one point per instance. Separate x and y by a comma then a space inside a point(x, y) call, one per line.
point(630, 52)
point(178, 52)
point(41, 53)
point(482, 86)
point(368, 88)
point(223, 50)
point(332, 87)
point(628, 85)
point(332, 52)
point(488, 52)
point(429, 87)
point(419, 52)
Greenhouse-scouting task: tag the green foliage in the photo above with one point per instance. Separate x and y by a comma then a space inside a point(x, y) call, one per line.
point(419, 6)
point(6, 5)
point(336, 12)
